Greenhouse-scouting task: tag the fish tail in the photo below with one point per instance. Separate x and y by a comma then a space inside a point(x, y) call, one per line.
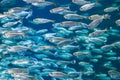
point(53, 21)
point(118, 9)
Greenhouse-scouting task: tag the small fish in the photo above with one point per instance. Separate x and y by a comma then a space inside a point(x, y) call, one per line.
point(97, 16)
point(97, 33)
point(95, 23)
point(59, 9)
point(17, 48)
point(65, 62)
point(21, 14)
point(106, 47)
point(111, 9)
point(65, 42)
point(58, 75)
point(33, 1)
point(74, 17)
point(23, 62)
point(80, 2)
point(11, 24)
point(42, 5)
point(46, 47)
point(118, 22)
point(69, 23)
point(88, 6)
point(114, 74)
point(65, 12)
point(22, 76)
point(82, 54)
point(17, 70)
point(2, 16)
point(17, 9)
point(13, 34)
point(97, 40)
point(56, 39)
point(42, 21)
point(116, 44)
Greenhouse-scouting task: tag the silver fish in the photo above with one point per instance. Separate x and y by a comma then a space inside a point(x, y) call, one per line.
point(114, 74)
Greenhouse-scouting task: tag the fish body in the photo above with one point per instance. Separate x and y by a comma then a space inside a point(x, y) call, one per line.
point(58, 74)
point(80, 2)
point(87, 7)
point(42, 4)
point(97, 16)
point(59, 9)
point(95, 23)
point(41, 21)
point(11, 24)
point(69, 23)
point(97, 33)
point(13, 34)
point(114, 74)
point(111, 9)
point(118, 22)
point(31, 1)
point(17, 48)
point(74, 17)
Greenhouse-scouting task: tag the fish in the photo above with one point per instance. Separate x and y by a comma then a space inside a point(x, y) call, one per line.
point(69, 23)
point(65, 42)
point(118, 22)
point(95, 23)
point(57, 10)
point(17, 48)
point(2, 16)
point(11, 24)
point(22, 62)
point(58, 74)
point(97, 16)
point(59, 40)
point(114, 74)
point(56, 39)
point(43, 4)
point(82, 54)
point(109, 65)
point(17, 70)
point(74, 17)
point(88, 6)
point(13, 34)
point(80, 2)
point(31, 1)
point(41, 21)
point(98, 33)
point(106, 47)
point(111, 9)
point(116, 44)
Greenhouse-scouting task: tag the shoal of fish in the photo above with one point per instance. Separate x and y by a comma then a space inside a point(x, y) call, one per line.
point(73, 50)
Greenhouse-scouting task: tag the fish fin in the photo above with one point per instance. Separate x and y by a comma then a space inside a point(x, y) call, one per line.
point(118, 9)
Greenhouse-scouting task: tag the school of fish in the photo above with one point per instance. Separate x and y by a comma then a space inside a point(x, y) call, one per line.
point(76, 44)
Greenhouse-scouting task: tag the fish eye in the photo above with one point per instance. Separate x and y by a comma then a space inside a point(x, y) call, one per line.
point(81, 8)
